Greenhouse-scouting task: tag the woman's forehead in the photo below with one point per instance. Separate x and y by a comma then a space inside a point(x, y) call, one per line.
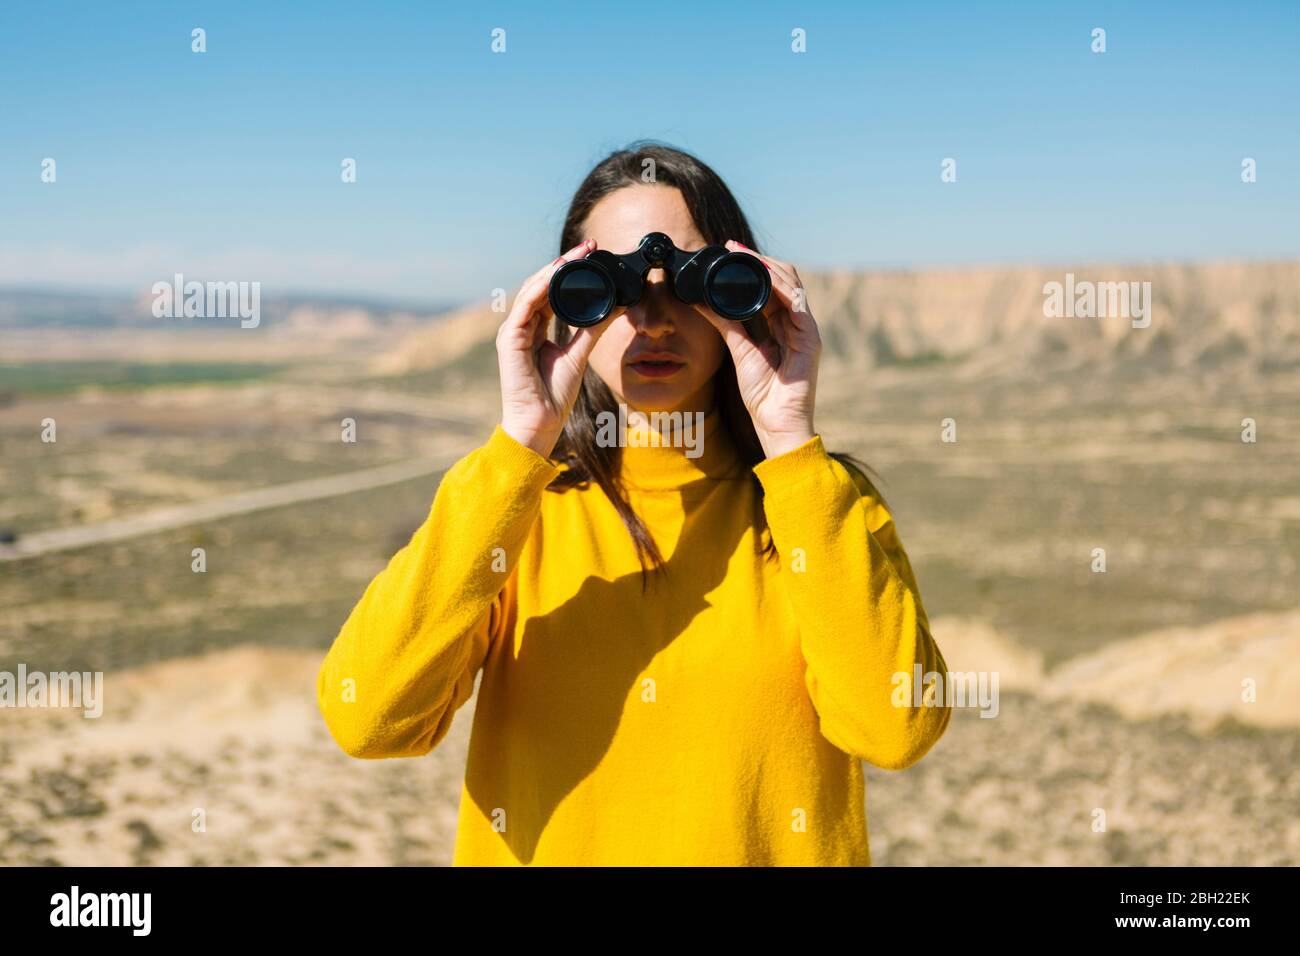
point(620, 219)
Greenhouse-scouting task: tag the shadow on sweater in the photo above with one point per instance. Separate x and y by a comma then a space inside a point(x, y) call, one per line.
point(562, 697)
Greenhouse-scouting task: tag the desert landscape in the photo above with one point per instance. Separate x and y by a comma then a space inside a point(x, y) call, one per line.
point(1122, 691)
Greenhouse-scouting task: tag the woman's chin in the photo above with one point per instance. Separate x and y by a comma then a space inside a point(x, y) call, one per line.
point(655, 396)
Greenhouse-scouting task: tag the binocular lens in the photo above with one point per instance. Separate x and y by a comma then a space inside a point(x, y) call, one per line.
point(585, 291)
point(583, 295)
point(737, 289)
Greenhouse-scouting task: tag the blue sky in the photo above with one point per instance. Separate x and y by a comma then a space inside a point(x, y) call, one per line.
point(226, 164)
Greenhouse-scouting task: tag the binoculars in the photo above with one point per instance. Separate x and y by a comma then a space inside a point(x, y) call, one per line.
point(735, 285)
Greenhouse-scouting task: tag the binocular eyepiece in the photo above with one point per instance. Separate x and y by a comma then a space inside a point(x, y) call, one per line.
point(735, 285)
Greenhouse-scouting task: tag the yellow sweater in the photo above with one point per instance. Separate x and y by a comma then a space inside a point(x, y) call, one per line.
point(715, 719)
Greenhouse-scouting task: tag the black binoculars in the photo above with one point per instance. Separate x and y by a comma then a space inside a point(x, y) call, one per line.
point(736, 285)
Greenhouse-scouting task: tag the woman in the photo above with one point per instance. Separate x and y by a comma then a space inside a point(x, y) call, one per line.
point(685, 651)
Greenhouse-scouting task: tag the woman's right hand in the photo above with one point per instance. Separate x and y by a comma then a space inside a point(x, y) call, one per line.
point(539, 379)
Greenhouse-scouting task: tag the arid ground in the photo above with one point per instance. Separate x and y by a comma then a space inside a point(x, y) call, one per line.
point(1121, 690)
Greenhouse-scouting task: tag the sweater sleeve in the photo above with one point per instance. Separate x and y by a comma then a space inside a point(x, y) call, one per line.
point(861, 620)
point(408, 654)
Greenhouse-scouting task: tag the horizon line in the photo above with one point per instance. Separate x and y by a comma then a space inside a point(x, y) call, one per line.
point(411, 303)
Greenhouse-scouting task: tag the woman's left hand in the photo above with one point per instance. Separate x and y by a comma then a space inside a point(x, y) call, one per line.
point(778, 377)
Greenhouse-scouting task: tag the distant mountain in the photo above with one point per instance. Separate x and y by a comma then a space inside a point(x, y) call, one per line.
point(21, 308)
point(344, 316)
point(1201, 316)
point(442, 342)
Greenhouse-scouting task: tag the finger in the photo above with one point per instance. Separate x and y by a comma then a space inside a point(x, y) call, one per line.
point(539, 330)
point(577, 252)
point(787, 293)
point(584, 339)
point(782, 272)
point(531, 297)
point(788, 271)
point(789, 303)
point(776, 266)
point(778, 323)
point(736, 339)
point(784, 276)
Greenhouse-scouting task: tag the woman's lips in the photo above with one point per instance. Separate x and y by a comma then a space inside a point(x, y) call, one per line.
point(656, 368)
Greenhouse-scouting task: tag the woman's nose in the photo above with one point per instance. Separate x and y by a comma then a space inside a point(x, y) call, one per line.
point(653, 314)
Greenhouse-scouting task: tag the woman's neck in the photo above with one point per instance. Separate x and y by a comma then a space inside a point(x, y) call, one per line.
point(662, 450)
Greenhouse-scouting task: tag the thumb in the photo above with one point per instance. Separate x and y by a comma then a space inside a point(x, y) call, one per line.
point(733, 334)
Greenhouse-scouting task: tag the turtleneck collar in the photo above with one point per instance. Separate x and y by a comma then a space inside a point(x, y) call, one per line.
point(703, 449)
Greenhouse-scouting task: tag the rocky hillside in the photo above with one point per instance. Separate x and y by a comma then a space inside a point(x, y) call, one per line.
point(1201, 317)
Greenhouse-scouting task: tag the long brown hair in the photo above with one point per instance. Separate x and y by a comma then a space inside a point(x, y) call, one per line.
point(718, 217)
